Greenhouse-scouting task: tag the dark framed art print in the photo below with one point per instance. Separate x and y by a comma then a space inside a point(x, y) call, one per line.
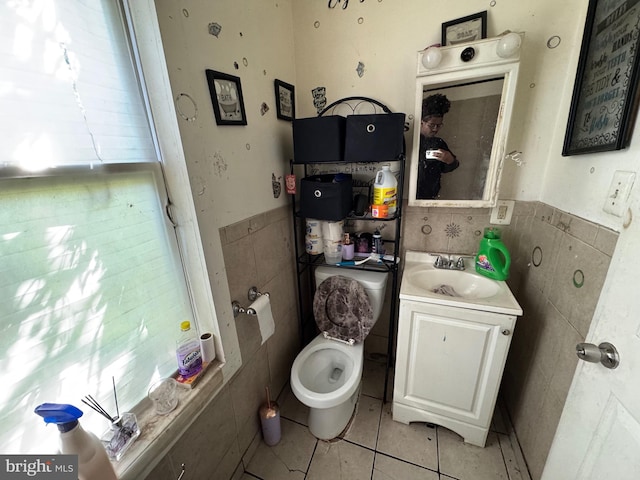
point(465, 29)
point(226, 97)
point(285, 103)
point(605, 93)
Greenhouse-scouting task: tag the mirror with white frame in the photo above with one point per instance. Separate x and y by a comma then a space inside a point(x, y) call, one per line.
point(478, 80)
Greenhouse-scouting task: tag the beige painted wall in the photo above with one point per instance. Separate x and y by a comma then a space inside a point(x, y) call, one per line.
point(231, 167)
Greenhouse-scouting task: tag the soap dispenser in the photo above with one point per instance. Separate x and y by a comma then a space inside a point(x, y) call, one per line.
point(493, 259)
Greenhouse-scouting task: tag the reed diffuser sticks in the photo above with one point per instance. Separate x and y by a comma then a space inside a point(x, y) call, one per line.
point(91, 402)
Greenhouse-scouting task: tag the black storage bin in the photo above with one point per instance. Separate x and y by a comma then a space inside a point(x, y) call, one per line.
point(324, 199)
point(319, 139)
point(374, 138)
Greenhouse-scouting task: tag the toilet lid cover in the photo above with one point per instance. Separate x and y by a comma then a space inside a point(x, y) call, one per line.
point(342, 309)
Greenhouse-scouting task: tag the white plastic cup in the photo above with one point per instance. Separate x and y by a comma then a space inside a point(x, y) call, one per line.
point(332, 251)
point(332, 230)
point(164, 396)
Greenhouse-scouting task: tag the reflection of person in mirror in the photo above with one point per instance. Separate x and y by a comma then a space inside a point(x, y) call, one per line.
point(435, 158)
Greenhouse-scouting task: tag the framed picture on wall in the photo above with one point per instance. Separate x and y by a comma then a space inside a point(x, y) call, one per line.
point(226, 97)
point(605, 94)
point(465, 29)
point(285, 102)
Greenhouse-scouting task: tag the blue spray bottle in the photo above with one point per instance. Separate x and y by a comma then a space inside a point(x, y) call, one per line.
point(93, 462)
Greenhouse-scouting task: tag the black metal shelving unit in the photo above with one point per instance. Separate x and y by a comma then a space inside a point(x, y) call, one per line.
point(305, 263)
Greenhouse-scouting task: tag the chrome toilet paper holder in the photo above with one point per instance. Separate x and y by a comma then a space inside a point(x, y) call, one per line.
point(252, 295)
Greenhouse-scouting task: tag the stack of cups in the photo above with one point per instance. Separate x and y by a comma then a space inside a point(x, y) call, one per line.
point(313, 237)
point(332, 241)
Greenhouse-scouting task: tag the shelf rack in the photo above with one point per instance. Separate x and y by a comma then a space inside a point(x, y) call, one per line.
point(305, 263)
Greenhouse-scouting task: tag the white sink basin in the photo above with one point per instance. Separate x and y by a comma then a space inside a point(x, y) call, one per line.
point(454, 283)
point(422, 282)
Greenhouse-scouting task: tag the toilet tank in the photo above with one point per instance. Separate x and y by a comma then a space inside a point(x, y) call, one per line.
point(374, 283)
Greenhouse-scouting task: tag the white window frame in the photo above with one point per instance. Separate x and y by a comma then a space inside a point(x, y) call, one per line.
point(143, 457)
point(147, 45)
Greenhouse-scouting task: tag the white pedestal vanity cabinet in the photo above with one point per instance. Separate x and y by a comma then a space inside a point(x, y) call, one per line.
point(452, 346)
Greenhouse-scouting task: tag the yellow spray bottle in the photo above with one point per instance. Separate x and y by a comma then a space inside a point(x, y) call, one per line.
point(493, 259)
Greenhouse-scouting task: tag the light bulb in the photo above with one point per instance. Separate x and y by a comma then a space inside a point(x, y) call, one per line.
point(508, 45)
point(431, 57)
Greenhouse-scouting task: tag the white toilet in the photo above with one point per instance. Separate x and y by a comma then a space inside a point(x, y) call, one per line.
point(326, 374)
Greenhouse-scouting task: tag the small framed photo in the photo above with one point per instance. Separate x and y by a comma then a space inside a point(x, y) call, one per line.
point(285, 102)
point(465, 29)
point(226, 97)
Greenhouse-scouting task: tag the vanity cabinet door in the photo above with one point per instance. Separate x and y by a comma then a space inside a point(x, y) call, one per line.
point(450, 361)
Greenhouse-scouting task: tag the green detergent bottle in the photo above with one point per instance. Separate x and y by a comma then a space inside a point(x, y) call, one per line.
point(493, 259)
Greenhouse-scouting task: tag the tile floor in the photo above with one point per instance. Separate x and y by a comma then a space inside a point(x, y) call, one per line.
point(377, 448)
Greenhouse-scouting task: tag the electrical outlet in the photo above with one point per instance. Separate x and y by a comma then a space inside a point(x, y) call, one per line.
point(502, 212)
point(618, 193)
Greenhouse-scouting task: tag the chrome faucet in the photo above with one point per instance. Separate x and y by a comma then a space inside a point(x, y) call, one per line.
point(449, 263)
point(440, 263)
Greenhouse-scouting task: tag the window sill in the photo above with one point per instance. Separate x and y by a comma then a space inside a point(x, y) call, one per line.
point(158, 433)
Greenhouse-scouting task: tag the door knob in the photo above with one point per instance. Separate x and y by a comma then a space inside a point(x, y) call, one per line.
point(605, 353)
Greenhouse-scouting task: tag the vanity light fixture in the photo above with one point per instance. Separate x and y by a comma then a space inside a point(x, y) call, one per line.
point(508, 45)
point(431, 57)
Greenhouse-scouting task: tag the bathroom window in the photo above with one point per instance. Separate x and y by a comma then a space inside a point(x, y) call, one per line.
point(95, 268)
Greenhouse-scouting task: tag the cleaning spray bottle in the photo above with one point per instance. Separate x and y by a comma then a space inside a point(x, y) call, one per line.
point(493, 259)
point(93, 462)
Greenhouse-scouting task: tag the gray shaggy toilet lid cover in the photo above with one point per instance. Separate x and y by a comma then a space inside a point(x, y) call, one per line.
point(342, 309)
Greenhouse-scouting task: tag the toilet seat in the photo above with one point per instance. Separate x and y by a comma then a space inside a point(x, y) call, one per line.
point(352, 358)
point(342, 309)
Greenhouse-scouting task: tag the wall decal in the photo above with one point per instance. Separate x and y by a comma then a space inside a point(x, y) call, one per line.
point(578, 279)
point(276, 185)
point(319, 98)
point(185, 12)
point(186, 107)
point(226, 97)
point(516, 157)
point(345, 3)
point(360, 69)
point(219, 164)
point(554, 41)
point(536, 257)
point(214, 29)
point(264, 108)
point(453, 230)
